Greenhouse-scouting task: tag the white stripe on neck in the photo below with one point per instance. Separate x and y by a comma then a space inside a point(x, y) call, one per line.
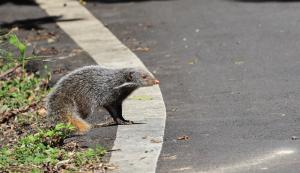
point(124, 84)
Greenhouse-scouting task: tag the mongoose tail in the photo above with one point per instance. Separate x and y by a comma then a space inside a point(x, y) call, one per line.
point(81, 125)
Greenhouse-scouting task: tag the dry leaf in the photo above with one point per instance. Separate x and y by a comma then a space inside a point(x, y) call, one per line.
point(174, 157)
point(110, 167)
point(42, 112)
point(51, 40)
point(182, 169)
point(143, 49)
point(142, 158)
point(155, 141)
point(184, 137)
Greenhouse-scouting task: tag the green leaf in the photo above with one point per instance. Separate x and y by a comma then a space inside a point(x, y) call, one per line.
point(13, 39)
point(50, 133)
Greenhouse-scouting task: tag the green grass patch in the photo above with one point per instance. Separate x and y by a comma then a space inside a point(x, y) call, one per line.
point(28, 142)
point(21, 91)
point(42, 148)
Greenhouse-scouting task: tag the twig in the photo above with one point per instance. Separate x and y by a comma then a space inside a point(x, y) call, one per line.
point(7, 115)
point(113, 150)
point(9, 71)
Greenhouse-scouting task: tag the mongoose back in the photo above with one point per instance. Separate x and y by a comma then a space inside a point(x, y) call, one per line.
point(81, 92)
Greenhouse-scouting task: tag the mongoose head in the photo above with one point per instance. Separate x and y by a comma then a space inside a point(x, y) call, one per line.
point(142, 77)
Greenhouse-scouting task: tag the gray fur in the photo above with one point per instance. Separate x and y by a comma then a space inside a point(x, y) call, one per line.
point(86, 89)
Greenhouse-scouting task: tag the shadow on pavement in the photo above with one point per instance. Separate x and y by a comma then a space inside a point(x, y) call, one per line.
point(18, 2)
point(265, 1)
point(122, 1)
point(36, 23)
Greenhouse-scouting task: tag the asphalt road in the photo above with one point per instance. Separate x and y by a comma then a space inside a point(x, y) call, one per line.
point(229, 72)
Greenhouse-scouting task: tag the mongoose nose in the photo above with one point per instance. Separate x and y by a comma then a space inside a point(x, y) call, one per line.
point(156, 81)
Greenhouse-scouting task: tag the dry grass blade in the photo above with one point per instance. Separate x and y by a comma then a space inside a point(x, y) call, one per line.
point(7, 115)
point(3, 75)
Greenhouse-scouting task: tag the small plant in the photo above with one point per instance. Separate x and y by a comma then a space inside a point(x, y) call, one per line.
point(43, 148)
point(88, 156)
point(28, 142)
point(13, 40)
point(36, 149)
point(22, 91)
point(18, 89)
point(21, 47)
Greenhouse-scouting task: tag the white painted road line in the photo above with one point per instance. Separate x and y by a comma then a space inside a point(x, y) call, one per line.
point(259, 160)
point(140, 144)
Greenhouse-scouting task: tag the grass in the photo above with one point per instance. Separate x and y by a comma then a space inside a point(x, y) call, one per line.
point(28, 143)
point(21, 91)
point(37, 150)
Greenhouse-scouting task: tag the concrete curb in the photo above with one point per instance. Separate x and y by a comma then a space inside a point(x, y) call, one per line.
point(140, 144)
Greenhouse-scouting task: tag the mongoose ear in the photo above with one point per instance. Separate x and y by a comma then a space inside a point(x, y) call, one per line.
point(130, 75)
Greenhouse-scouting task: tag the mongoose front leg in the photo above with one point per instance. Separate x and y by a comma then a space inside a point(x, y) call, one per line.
point(116, 112)
point(119, 113)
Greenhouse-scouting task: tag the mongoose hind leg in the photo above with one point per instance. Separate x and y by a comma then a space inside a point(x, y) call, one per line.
point(116, 112)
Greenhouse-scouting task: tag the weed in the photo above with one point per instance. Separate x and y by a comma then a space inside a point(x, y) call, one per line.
point(42, 148)
point(28, 144)
point(13, 40)
point(21, 91)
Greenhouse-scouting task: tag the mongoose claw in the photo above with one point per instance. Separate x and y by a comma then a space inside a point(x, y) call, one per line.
point(124, 122)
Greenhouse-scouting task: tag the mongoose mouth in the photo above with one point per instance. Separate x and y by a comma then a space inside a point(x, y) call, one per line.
point(156, 81)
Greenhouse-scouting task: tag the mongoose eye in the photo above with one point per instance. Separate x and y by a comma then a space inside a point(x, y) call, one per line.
point(144, 76)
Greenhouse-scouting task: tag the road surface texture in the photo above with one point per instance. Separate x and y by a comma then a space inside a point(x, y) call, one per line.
point(230, 77)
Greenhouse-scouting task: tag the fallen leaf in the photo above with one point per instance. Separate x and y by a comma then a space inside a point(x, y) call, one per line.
point(184, 137)
point(110, 167)
point(51, 40)
point(13, 90)
point(42, 112)
point(155, 141)
point(174, 109)
point(238, 62)
point(142, 158)
point(174, 157)
point(193, 61)
point(62, 163)
point(46, 51)
point(182, 169)
point(143, 49)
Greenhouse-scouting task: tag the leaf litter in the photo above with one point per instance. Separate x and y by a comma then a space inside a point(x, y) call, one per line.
point(29, 142)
